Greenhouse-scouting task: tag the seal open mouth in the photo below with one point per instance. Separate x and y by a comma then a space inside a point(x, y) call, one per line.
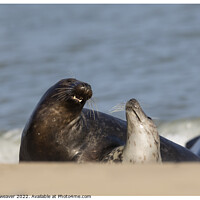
point(78, 99)
point(81, 93)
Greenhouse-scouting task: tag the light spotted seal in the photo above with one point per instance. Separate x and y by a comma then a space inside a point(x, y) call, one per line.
point(60, 129)
point(143, 142)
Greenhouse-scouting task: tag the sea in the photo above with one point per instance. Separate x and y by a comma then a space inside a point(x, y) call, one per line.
point(147, 52)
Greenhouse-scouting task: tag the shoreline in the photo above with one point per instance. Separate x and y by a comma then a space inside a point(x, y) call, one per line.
point(96, 179)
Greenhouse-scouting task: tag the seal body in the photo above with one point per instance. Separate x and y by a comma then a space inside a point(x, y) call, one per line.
point(60, 129)
point(143, 142)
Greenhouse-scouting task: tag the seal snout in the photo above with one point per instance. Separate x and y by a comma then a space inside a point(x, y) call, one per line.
point(132, 104)
point(134, 110)
point(82, 92)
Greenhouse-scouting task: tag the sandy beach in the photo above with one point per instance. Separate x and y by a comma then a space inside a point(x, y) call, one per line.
point(99, 179)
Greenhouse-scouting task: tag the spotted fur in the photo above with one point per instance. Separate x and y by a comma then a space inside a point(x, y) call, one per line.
point(115, 156)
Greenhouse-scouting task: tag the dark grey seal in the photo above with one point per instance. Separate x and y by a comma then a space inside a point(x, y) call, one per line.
point(60, 129)
point(143, 141)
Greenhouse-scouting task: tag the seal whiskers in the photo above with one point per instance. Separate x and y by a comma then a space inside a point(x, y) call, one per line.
point(117, 108)
point(90, 102)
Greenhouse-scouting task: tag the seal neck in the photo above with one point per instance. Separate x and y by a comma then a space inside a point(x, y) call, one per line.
point(142, 144)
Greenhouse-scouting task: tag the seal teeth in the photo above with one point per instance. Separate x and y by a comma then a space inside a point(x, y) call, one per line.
point(79, 100)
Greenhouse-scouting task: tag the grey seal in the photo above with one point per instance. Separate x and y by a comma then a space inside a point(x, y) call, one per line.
point(59, 129)
point(143, 141)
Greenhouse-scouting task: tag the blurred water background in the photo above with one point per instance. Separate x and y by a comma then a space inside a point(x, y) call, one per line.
point(147, 52)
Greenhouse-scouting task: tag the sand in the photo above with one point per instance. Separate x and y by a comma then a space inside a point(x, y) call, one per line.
point(100, 179)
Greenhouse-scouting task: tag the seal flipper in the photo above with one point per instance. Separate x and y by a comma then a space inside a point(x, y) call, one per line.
point(191, 142)
point(194, 145)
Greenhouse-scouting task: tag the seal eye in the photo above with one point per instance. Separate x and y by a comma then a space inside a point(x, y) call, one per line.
point(149, 118)
point(70, 80)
